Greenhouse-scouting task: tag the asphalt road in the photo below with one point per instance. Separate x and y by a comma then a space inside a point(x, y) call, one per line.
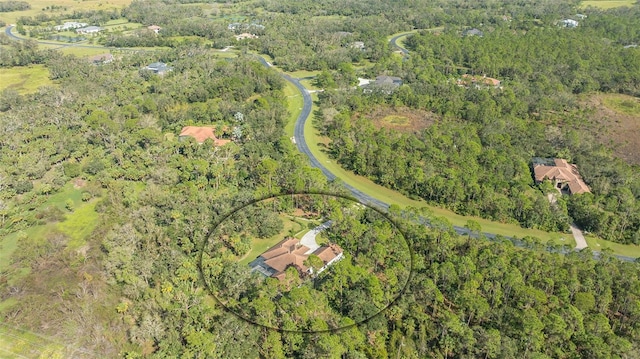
point(8, 31)
point(394, 42)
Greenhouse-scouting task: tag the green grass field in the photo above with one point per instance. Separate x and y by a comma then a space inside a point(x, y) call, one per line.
point(259, 245)
point(295, 107)
point(17, 343)
point(24, 79)
point(79, 224)
point(607, 4)
point(622, 103)
point(598, 244)
point(66, 6)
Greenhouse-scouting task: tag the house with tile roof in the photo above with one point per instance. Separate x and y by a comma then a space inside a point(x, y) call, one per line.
point(478, 81)
point(291, 253)
point(564, 175)
point(201, 134)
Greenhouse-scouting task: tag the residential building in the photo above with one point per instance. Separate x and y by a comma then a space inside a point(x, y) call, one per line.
point(384, 84)
point(201, 134)
point(358, 45)
point(246, 35)
point(570, 23)
point(159, 68)
point(478, 81)
point(290, 253)
point(154, 28)
point(564, 176)
point(474, 32)
point(69, 25)
point(101, 59)
point(89, 30)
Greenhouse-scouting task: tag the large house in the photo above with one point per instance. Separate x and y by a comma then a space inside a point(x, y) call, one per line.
point(201, 134)
point(384, 84)
point(101, 59)
point(70, 25)
point(473, 32)
point(564, 175)
point(478, 81)
point(89, 30)
point(570, 23)
point(159, 68)
point(291, 253)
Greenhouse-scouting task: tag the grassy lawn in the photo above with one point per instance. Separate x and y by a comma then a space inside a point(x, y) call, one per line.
point(622, 103)
point(295, 107)
point(79, 224)
point(303, 74)
point(598, 244)
point(259, 245)
point(82, 51)
point(607, 4)
point(24, 79)
point(308, 83)
point(16, 343)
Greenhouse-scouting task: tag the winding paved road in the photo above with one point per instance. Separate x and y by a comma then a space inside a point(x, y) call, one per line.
point(8, 31)
point(302, 147)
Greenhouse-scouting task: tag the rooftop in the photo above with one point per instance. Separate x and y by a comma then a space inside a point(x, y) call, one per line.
point(291, 253)
point(201, 134)
point(561, 172)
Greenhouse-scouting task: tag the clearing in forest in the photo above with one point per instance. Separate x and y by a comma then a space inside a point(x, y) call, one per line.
point(607, 4)
point(24, 79)
point(402, 119)
point(619, 115)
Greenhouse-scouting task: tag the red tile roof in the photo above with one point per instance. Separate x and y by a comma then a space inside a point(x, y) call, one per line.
point(487, 81)
point(562, 172)
point(289, 252)
point(201, 134)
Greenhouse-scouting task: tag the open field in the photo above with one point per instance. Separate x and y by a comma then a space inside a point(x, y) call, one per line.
point(24, 79)
point(294, 106)
point(404, 120)
point(619, 118)
point(62, 7)
point(607, 4)
point(598, 244)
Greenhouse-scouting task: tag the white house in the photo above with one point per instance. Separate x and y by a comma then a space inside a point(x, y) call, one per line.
point(89, 30)
point(70, 25)
point(570, 23)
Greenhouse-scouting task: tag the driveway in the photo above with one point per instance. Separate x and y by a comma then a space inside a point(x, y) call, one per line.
point(309, 239)
point(577, 234)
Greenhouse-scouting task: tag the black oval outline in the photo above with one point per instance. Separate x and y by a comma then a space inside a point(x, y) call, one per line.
point(280, 330)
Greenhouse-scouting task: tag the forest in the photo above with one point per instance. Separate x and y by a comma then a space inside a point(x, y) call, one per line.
point(105, 210)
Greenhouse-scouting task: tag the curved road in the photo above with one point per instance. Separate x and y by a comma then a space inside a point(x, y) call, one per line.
point(8, 31)
point(302, 147)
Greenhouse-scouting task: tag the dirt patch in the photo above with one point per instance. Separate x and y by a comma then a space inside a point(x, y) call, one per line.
point(620, 122)
point(401, 119)
point(79, 183)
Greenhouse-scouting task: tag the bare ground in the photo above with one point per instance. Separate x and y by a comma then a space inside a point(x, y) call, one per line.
point(620, 130)
point(401, 119)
